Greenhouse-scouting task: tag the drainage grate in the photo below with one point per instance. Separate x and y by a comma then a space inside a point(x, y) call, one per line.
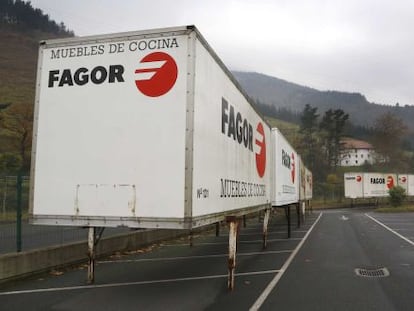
point(372, 273)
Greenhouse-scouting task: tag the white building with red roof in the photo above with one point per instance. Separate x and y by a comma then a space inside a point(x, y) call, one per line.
point(356, 152)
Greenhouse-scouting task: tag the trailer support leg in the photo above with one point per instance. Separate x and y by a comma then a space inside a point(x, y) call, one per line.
point(298, 213)
point(303, 211)
point(218, 228)
point(244, 221)
point(94, 237)
point(233, 232)
point(265, 226)
point(190, 238)
point(287, 212)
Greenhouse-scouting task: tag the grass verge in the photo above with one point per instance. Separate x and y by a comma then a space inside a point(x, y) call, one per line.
point(399, 209)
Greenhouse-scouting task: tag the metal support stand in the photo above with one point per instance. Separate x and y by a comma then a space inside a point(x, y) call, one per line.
point(244, 221)
point(94, 237)
point(217, 228)
point(265, 225)
point(298, 213)
point(233, 233)
point(287, 212)
point(303, 206)
point(19, 186)
point(191, 238)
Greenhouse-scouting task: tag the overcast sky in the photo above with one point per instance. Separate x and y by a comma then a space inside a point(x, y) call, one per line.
point(364, 46)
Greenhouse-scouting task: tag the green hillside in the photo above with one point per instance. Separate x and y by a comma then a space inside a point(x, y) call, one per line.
point(21, 28)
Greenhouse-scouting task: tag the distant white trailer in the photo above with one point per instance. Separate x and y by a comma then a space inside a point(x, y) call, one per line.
point(368, 185)
point(403, 182)
point(410, 187)
point(144, 129)
point(378, 184)
point(353, 183)
point(406, 181)
point(306, 182)
point(285, 171)
point(309, 184)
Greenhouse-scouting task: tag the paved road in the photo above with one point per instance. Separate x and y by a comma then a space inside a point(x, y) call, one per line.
point(314, 270)
point(34, 236)
point(322, 275)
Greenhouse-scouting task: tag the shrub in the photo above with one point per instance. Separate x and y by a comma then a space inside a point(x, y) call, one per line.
point(397, 196)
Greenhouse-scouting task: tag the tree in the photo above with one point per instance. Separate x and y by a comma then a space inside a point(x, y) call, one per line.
point(396, 196)
point(332, 128)
point(18, 122)
point(389, 134)
point(308, 130)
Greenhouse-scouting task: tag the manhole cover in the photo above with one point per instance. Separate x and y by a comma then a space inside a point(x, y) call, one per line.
point(372, 273)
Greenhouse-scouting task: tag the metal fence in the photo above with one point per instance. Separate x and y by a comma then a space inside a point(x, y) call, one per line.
point(18, 235)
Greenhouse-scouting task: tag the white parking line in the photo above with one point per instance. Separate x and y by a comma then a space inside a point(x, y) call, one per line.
point(113, 285)
point(245, 242)
point(273, 232)
point(259, 302)
point(391, 230)
point(192, 257)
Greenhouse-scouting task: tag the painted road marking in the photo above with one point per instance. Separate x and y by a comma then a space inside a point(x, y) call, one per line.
point(259, 302)
point(226, 243)
point(113, 285)
point(272, 232)
point(391, 230)
point(192, 257)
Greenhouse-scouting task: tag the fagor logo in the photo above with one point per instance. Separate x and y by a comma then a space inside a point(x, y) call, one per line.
point(261, 150)
point(403, 179)
point(235, 126)
point(390, 182)
point(156, 74)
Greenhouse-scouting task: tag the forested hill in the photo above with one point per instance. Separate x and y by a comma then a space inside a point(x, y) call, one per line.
point(21, 29)
point(282, 94)
point(20, 15)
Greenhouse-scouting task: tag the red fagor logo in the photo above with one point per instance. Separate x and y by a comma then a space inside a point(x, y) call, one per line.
point(261, 154)
point(403, 179)
point(390, 182)
point(156, 75)
point(358, 178)
point(293, 172)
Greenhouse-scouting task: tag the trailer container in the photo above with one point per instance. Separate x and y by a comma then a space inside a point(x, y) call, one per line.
point(147, 129)
point(378, 184)
point(353, 183)
point(285, 171)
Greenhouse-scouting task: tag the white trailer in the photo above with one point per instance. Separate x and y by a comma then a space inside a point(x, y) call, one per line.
point(378, 184)
point(406, 181)
point(368, 185)
point(309, 184)
point(410, 186)
point(146, 129)
point(285, 171)
point(403, 182)
point(305, 188)
point(353, 183)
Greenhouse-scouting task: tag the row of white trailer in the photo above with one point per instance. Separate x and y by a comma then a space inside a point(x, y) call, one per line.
point(376, 185)
point(149, 129)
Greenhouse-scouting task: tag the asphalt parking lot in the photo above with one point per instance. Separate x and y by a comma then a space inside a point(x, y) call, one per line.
point(314, 270)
